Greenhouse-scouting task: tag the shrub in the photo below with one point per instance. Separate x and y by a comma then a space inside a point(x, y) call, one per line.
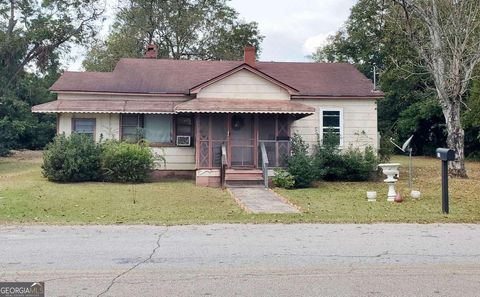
point(283, 179)
point(299, 163)
point(359, 166)
point(351, 165)
point(72, 159)
point(126, 162)
point(386, 149)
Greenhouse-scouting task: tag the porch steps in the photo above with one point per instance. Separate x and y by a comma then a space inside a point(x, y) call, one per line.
point(243, 174)
point(243, 177)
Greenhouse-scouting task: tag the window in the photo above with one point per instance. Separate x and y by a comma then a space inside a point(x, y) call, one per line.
point(131, 127)
point(154, 128)
point(83, 126)
point(331, 124)
point(184, 126)
point(158, 128)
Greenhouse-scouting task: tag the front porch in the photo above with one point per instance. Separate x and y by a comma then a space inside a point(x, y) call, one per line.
point(229, 146)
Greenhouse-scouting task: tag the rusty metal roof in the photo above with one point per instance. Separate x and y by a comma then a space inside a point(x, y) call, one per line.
point(163, 76)
point(105, 106)
point(243, 106)
point(160, 107)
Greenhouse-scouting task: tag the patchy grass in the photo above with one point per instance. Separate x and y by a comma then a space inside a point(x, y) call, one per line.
point(27, 197)
point(346, 202)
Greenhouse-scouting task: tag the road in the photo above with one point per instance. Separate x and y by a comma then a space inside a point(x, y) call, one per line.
point(245, 260)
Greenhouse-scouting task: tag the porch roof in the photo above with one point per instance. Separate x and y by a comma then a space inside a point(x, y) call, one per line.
point(106, 106)
point(243, 106)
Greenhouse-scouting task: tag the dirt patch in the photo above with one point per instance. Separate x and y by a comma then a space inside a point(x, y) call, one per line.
point(27, 155)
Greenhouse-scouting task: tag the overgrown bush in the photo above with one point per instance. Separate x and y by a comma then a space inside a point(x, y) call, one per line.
point(126, 162)
point(299, 163)
point(72, 159)
point(332, 164)
point(283, 179)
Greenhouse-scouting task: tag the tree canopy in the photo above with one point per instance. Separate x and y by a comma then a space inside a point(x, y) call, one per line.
point(181, 29)
point(33, 37)
point(370, 38)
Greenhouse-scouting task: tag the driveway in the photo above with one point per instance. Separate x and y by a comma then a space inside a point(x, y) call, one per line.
point(245, 260)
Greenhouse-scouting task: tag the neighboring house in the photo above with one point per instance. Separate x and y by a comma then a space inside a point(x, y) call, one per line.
point(188, 110)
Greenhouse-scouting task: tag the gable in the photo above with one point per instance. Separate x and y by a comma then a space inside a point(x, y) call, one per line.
point(244, 84)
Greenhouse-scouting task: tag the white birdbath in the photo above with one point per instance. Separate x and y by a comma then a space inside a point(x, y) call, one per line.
point(390, 170)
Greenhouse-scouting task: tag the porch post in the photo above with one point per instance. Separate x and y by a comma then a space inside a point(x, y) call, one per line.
point(255, 141)
point(197, 141)
point(229, 143)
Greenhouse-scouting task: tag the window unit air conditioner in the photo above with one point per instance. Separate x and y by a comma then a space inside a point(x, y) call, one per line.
point(183, 140)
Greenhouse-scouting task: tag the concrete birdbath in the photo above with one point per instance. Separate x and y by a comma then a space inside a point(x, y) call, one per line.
point(390, 170)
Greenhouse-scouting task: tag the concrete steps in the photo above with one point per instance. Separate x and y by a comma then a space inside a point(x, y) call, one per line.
point(243, 177)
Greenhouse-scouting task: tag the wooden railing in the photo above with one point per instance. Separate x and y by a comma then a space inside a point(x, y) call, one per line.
point(264, 164)
point(223, 168)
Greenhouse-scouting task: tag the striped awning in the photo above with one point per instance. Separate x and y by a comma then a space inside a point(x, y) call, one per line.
point(243, 106)
point(106, 106)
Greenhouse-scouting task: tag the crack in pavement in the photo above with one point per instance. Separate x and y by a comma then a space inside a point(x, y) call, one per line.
point(112, 282)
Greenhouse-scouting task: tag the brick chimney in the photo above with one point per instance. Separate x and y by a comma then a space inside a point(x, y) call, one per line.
point(249, 55)
point(151, 52)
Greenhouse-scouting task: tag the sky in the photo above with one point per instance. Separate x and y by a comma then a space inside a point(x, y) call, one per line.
point(293, 29)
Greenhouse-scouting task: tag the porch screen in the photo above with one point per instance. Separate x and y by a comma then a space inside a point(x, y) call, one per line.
point(273, 131)
point(213, 134)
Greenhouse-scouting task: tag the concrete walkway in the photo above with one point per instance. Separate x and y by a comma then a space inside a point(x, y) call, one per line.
point(261, 200)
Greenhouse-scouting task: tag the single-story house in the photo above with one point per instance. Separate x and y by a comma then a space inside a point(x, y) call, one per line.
point(211, 119)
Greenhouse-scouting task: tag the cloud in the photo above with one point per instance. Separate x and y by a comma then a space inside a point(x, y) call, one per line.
point(293, 29)
point(313, 42)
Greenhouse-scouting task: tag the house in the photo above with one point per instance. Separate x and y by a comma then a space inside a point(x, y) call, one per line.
point(202, 114)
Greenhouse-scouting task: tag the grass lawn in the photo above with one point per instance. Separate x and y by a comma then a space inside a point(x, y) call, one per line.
point(27, 197)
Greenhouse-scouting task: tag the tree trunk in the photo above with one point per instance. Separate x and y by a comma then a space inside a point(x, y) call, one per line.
point(455, 139)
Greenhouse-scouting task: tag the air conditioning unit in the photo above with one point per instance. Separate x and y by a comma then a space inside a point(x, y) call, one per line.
point(183, 140)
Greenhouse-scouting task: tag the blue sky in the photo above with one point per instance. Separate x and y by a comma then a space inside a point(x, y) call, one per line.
point(292, 28)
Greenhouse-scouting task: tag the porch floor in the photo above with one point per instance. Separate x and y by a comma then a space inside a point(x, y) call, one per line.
point(261, 200)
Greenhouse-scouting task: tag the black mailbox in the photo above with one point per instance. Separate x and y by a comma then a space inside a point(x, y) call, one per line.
point(445, 154)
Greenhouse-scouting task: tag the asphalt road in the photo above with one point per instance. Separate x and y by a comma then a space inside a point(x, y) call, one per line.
point(245, 260)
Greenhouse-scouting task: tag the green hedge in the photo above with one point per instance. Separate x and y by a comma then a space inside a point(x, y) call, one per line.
point(328, 162)
point(126, 162)
point(78, 158)
point(72, 159)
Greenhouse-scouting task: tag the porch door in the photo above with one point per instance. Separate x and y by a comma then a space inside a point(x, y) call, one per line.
point(242, 140)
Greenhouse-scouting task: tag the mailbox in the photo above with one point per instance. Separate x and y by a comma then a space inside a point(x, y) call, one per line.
point(445, 154)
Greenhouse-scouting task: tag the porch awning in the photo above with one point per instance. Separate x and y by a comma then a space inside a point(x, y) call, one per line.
point(105, 106)
point(244, 106)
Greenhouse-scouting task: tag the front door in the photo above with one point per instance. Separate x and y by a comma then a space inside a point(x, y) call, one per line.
point(242, 140)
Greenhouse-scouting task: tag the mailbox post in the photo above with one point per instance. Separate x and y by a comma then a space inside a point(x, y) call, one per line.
point(445, 155)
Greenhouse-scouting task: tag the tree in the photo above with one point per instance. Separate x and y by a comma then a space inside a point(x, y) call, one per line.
point(181, 29)
point(33, 36)
point(370, 38)
point(446, 35)
point(471, 119)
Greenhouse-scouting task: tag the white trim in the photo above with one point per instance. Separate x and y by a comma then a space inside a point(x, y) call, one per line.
point(341, 123)
point(244, 111)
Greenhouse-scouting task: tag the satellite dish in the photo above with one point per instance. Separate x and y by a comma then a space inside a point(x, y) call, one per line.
point(407, 143)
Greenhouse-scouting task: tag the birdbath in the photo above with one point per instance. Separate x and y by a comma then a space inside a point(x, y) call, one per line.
point(390, 170)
